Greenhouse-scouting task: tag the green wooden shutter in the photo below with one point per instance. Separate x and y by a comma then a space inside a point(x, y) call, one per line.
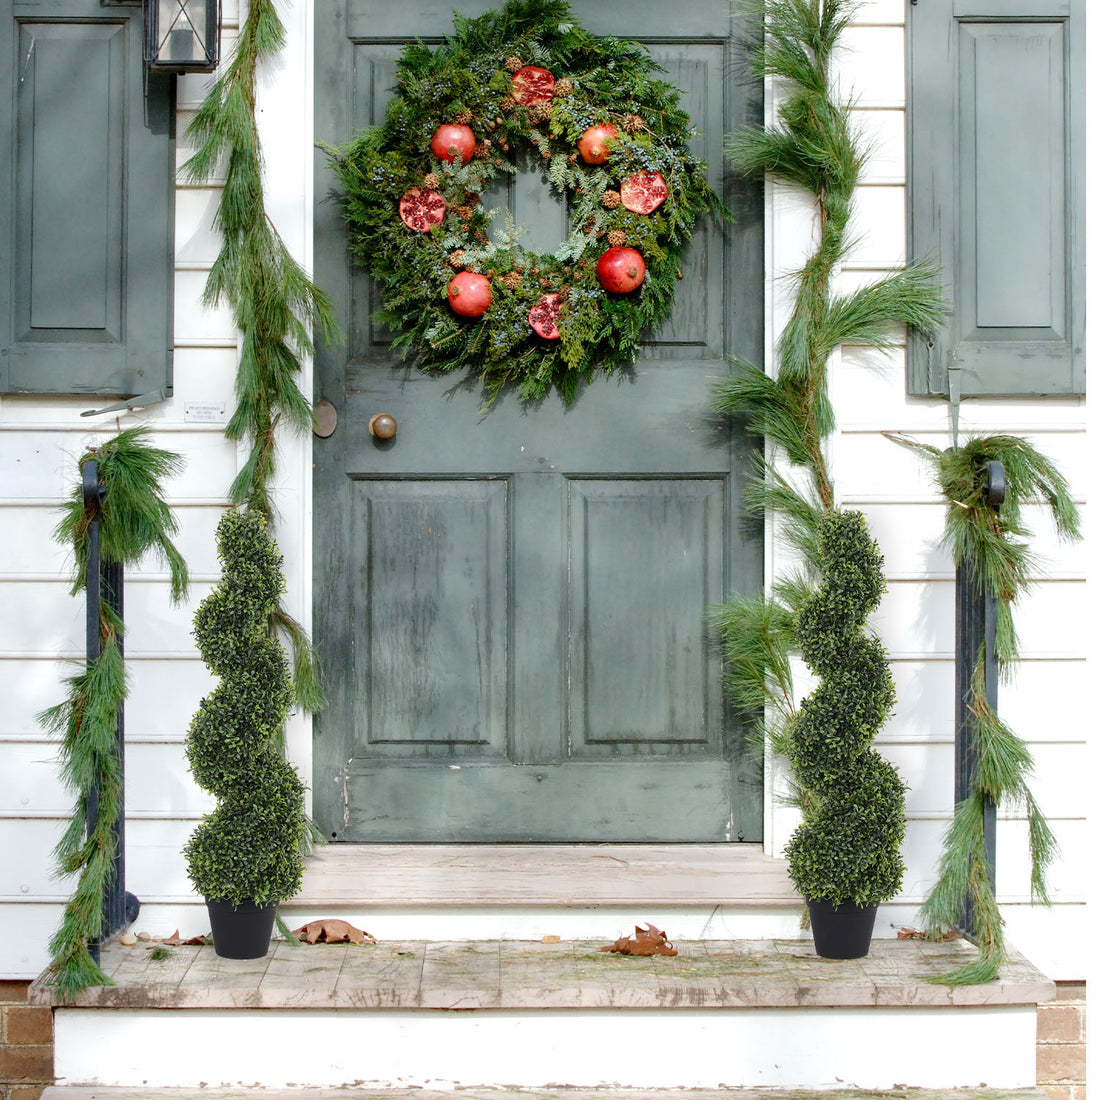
point(996, 173)
point(86, 203)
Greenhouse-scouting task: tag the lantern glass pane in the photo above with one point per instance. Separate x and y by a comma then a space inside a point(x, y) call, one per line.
point(181, 31)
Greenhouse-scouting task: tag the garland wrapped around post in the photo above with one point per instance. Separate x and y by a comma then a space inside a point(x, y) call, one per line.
point(133, 520)
point(991, 543)
point(274, 301)
point(812, 148)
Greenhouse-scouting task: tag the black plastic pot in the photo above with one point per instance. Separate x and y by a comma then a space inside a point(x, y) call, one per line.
point(240, 931)
point(841, 931)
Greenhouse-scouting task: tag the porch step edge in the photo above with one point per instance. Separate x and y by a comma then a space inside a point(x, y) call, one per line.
point(96, 1092)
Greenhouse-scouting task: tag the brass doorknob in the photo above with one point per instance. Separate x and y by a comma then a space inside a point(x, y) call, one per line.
point(382, 426)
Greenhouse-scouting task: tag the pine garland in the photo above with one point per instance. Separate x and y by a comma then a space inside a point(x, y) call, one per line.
point(133, 520)
point(812, 148)
point(991, 543)
point(415, 219)
point(273, 299)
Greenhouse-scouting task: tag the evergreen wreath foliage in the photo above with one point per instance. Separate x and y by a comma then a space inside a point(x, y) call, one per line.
point(469, 80)
point(247, 850)
point(991, 542)
point(274, 302)
point(847, 847)
point(132, 521)
point(813, 148)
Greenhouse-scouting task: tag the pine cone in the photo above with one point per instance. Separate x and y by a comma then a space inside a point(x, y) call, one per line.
point(432, 181)
point(464, 212)
point(455, 259)
point(611, 199)
point(563, 87)
point(616, 238)
point(509, 104)
point(464, 117)
point(632, 124)
point(481, 149)
point(513, 280)
point(539, 112)
point(513, 64)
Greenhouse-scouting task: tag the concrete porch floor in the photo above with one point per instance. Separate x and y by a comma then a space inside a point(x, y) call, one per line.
point(515, 974)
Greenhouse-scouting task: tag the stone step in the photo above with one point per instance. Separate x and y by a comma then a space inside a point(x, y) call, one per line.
point(79, 1092)
point(508, 1014)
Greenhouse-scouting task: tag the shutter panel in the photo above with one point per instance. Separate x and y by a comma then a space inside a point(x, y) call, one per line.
point(87, 203)
point(996, 172)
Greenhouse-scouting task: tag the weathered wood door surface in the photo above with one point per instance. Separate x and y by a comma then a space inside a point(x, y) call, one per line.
point(511, 604)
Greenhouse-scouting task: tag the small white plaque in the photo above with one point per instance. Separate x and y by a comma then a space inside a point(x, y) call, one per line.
point(204, 412)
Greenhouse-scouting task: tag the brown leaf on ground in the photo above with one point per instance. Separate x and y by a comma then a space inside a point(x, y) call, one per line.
point(195, 941)
point(646, 941)
point(905, 933)
point(332, 930)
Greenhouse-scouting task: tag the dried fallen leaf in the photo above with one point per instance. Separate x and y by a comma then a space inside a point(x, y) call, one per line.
point(195, 941)
point(332, 930)
point(646, 941)
point(905, 933)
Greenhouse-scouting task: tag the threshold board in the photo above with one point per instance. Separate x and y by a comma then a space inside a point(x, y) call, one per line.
point(575, 875)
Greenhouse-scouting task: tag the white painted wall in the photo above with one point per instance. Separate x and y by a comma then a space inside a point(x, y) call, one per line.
point(41, 626)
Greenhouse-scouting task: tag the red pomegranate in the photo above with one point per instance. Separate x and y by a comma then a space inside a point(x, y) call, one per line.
point(469, 294)
point(643, 192)
point(453, 141)
point(593, 144)
point(421, 209)
point(543, 317)
point(532, 84)
point(620, 270)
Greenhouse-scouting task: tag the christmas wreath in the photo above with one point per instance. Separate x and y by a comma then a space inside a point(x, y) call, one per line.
point(462, 294)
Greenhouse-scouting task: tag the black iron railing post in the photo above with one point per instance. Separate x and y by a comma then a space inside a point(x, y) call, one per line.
point(975, 633)
point(104, 582)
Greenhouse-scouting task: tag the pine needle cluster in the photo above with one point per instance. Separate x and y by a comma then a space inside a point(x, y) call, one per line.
point(274, 302)
point(602, 80)
point(991, 543)
point(133, 520)
point(813, 148)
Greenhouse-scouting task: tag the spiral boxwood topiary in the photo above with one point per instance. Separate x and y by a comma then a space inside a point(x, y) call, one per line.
point(247, 849)
point(847, 848)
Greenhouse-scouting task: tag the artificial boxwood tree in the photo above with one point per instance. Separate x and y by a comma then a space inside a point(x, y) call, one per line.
point(847, 848)
point(247, 849)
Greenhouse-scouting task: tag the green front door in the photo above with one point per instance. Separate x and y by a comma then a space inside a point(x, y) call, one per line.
point(511, 605)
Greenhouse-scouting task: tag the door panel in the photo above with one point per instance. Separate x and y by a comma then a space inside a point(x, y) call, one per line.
point(512, 602)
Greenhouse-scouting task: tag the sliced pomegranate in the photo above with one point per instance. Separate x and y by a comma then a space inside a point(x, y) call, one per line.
point(544, 315)
point(643, 192)
point(533, 85)
point(421, 209)
point(469, 294)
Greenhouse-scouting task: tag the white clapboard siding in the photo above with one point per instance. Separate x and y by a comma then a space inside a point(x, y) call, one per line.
point(157, 780)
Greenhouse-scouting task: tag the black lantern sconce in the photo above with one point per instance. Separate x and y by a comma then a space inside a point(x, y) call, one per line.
point(181, 36)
